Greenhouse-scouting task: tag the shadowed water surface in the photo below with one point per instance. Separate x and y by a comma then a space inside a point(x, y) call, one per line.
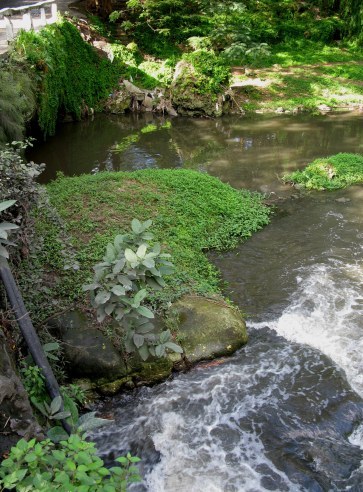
point(248, 152)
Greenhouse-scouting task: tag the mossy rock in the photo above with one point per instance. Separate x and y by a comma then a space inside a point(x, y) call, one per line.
point(208, 329)
point(187, 96)
point(87, 351)
point(119, 102)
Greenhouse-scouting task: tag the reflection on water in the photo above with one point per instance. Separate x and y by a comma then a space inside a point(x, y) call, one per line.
point(251, 152)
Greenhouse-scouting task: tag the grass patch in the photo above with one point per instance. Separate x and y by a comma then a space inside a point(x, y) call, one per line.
point(191, 212)
point(305, 52)
point(330, 173)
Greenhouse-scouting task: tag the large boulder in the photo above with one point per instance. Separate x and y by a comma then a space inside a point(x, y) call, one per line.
point(87, 351)
point(208, 328)
point(16, 416)
point(119, 102)
point(187, 96)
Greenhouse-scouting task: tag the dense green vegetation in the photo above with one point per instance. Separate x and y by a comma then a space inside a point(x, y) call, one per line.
point(17, 102)
point(212, 36)
point(70, 77)
point(330, 173)
point(66, 467)
point(191, 213)
point(54, 73)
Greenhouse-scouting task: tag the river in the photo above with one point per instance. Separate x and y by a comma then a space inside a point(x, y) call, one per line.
point(286, 412)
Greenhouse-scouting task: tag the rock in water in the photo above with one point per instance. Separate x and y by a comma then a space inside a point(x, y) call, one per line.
point(88, 352)
point(208, 328)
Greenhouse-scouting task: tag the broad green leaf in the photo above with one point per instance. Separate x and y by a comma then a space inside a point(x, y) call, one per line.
point(57, 434)
point(131, 256)
point(166, 270)
point(160, 281)
point(157, 249)
point(124, 280)
point(144, 311)
point(153, 284)
point(51, 346)
point(101, 315)
point(147, 236)
point(144, 352)
point(141, 251)
point(7, 226)
point(119, 312)
point(110, 253)
point(136, 226)
point(147, 224)
point(3, 252)
point(148, 262)
point(119, 242)
point(60, 415)
point(109, 308)
point(102, 297)
point(165, 336)
point(173, 346)
point(159, 351)
point(56, 404)
point(140, 296)
point(118, 266)
point(6, 204)
point(138, 340)
point(118, 290)
point(87, 287)
point(146, 328)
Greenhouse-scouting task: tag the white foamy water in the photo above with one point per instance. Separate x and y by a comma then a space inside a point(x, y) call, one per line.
point(326, 312)
point(202, 427)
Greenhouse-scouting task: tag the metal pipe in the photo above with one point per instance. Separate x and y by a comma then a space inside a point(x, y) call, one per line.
point(29, 333)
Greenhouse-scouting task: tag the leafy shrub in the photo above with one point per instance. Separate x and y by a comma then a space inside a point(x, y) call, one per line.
point(330, 173)
point(71, 465)
point(161, 71)
point(5, 227)
point(211, 70)
point(17, 177)
point(238, 53)
point(18, 188)
point(129, 268)
point(17, 102)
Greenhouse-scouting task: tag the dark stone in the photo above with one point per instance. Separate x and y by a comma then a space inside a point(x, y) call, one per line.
point(88, 352)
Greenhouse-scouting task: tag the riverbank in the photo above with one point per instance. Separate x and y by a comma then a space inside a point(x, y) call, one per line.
point(70, 71)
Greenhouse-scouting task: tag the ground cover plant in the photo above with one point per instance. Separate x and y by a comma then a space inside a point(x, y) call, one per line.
point(191, 213)
point(330, 173)
point(71, 465)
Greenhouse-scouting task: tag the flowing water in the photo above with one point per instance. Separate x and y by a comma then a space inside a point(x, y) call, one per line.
point(286, 412)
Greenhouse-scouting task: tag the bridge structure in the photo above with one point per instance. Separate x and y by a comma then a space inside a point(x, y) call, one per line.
point(25, 16)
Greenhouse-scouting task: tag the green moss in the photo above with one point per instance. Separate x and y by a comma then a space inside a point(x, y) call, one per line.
point(69, 73)
point(330, 173)
point(191, 212)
